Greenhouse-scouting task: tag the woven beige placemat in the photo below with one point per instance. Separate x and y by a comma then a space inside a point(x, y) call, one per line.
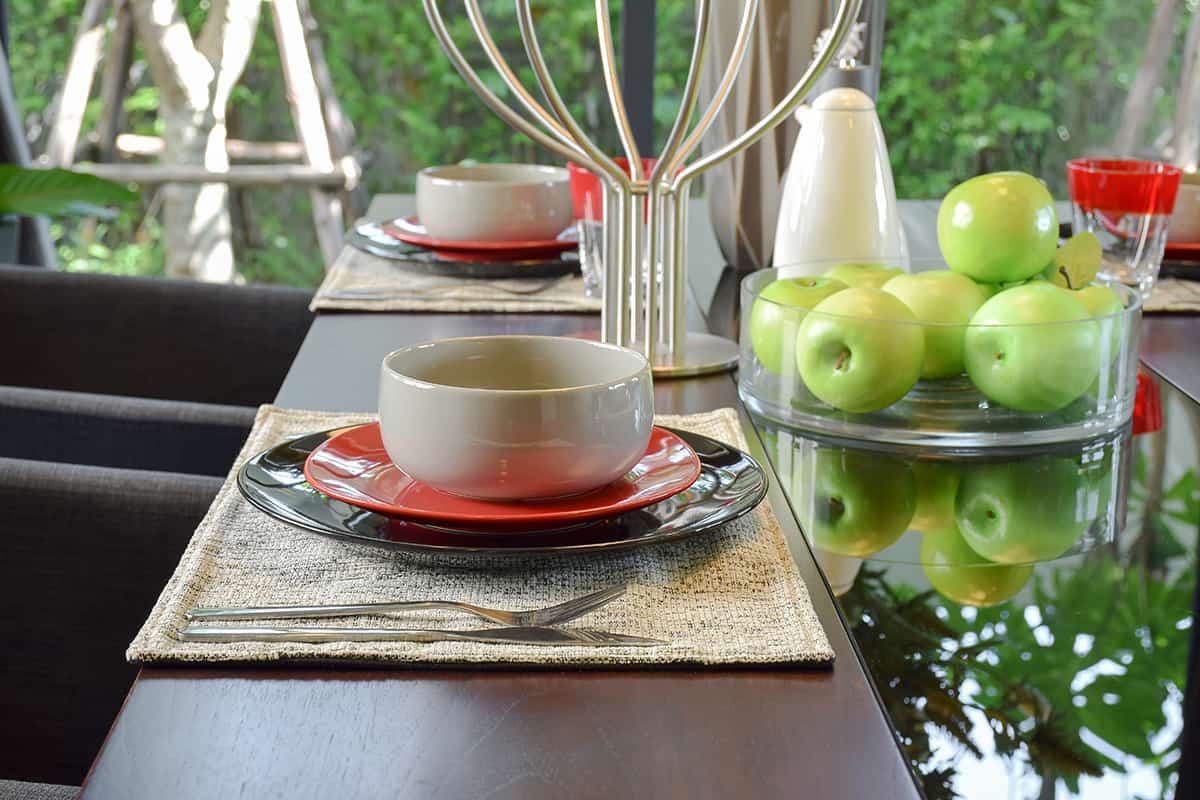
point(397, 289)
point(1173, 295)
point(732, 596)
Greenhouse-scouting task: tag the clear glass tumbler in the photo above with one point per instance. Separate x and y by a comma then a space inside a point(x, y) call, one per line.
point(1127, 203)
point(587, 195)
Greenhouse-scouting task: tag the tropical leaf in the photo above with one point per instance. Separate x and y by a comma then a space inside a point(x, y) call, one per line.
point(56, 191)
point(1053, 746)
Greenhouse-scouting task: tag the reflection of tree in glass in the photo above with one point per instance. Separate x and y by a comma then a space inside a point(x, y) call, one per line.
point(1085, 665)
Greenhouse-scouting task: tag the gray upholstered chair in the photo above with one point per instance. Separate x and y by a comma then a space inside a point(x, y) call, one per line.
point(148, 337)
point(84, 552)
point(144, 373)
point(124, 432)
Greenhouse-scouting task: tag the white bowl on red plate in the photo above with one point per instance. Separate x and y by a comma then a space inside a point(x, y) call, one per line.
point(515, 417)
point(494, 202)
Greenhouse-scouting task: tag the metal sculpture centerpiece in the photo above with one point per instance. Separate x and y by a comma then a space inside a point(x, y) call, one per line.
point(645, 214)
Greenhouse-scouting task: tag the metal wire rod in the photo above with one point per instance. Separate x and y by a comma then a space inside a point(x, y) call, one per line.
point(608, 62)
point(538, 61)
point(567, 151)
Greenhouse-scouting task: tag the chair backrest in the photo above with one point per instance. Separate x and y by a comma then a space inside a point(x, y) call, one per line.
point(148, 337)
point(84, 552)
point(124, 432)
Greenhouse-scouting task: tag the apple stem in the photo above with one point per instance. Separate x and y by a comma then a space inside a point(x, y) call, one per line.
point(842, 359)
point(836, 508)
point(1066, 277)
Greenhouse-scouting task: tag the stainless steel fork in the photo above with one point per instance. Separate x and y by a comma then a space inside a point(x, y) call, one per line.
point(541, 617)
point(519, 290)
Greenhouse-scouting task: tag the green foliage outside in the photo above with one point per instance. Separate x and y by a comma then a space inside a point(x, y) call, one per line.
point(967, 87)
point(970, 87)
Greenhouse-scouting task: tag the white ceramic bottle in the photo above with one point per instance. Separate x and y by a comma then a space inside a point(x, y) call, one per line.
point(839, 200)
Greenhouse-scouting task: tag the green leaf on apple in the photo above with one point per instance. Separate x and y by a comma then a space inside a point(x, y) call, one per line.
point(1077, 261)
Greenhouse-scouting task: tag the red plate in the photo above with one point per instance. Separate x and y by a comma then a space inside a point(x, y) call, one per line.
point(1183, 251)
point(410, 231)
point(353, 467)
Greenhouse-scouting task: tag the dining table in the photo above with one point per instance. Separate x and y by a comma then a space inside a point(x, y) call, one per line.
point(221, 731)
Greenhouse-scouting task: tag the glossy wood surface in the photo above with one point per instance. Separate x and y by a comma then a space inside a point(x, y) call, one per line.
point(303, 733)
point(1171, 347)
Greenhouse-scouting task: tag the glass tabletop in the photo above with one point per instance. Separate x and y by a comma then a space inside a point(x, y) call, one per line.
point(1025, 615)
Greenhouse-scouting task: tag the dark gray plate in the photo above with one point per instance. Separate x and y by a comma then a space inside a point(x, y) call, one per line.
point(731, 483)
point(370, 238)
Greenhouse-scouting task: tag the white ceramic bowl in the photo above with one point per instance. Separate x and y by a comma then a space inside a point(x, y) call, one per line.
point(515, 417)
point(1184, 227)
point(494, 202)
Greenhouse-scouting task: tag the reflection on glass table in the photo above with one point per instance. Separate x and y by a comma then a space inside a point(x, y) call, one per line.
point(1025, 616)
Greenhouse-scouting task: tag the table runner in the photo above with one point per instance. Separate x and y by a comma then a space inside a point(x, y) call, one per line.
point(732, 596)
point(1173, 295)
point(355, 270)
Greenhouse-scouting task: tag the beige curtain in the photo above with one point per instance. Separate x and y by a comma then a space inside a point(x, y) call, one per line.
point(743, 193)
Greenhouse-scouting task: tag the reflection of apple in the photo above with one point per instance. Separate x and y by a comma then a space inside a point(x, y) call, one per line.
point(777, 313)
point(998, 227)
point(1019, 360)
point(863, 276)
point(840, 571)
point(862, 502)
point(957, 571)
point(1023, 511)
point(937, 485)
point(940, 296)
point(852, 354)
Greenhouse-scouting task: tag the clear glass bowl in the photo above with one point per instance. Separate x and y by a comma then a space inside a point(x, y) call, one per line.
point(1075, 379)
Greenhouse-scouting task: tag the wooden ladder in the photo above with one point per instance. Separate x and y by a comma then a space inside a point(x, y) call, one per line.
point(327, 164)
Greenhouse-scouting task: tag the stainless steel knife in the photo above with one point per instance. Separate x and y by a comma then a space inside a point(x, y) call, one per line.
point(571, 637)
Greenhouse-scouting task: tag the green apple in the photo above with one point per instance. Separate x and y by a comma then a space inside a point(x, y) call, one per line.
point(945, 298)
point(1017, 357)
point(1103, 304)
point(863, 276)
point(937, 486)
point(852, 353)
point(957, 572)
point(1100, 301)
point(989, 290)
point(1000, 287)
point(862, 502)
point(776, 315)
point(1019, 512)
point(998, 227)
